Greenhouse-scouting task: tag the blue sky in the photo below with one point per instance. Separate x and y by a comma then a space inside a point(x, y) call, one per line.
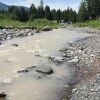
point(62, 4)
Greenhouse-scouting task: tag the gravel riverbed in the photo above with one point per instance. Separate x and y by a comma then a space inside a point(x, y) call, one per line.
point(84, 55)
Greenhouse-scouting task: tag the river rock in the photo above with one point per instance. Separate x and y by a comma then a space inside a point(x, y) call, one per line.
point(37, 53)
point(8, 38)
point(46, 28)
point(22, 71)
point(63, 49)
point(69, 53)
point(30, 68)
point(70, 42)
point(16, 45)
point(92, 55)
point(2, 94)
point(64, 54)
point(44, 69)
point(57, 59)
point(75, 60)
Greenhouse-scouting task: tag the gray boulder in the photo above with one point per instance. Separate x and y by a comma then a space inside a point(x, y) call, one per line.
point(44, 69)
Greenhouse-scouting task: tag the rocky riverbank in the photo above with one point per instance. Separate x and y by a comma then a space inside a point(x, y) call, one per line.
point(7, 34)
point(84, 55)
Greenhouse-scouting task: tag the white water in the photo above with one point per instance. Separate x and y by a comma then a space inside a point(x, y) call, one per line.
point(27, 86)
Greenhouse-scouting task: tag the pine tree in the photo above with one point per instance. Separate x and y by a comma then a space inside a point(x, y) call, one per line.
point(83, 12)
point(41, 10)
point(72, 15)
point(33, 12)
point(53, 14)
point(14, 13)
point(41, 4)
point(65, 16)
point(59, 14)
point(23, 15)
point(93, 8)
point(47, 12)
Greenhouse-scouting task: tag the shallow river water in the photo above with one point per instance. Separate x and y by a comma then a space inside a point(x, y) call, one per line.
point(27, 86)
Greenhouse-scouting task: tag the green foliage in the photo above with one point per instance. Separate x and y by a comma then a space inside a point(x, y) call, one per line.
point(8, 22)
point(92, 23)
point(37, 23)
point(40, 23)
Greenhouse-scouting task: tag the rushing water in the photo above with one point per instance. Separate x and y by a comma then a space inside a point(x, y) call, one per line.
point(27, 86)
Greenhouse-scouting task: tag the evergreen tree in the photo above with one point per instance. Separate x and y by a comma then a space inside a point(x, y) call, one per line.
point(41, 4)
point(65, 15)
point(47, 12)
point(23, 15)
point(14, 13)
point(59, 15)
point(72, 15)
point(33, 12)
point(41, 10)
point(93, 8)
point(83, 13)
point(53, 14)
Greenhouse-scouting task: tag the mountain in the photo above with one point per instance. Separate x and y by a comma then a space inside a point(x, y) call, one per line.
point(3, 6)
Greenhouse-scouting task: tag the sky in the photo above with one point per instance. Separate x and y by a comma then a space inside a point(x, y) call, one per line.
point(57, 4)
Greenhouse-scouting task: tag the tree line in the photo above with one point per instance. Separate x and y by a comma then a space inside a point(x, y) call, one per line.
point(23, 14)
point(89, 9)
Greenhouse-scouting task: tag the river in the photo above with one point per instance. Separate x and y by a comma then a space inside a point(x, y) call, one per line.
point(27, 86)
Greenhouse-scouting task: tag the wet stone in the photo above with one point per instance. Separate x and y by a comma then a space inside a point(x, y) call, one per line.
point(16, 45)
point(2, 94)
point(44, 69)
point(22, 71)
point(57, 59)
point(30, 68)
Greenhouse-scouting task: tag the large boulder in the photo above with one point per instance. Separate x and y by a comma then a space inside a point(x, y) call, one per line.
point(44, 69)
